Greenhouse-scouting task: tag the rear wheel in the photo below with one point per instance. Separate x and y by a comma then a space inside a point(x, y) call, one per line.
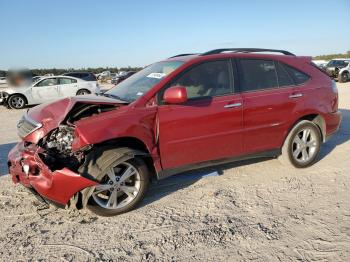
point(83, 92)
point(344, 77)
point(123, 182)
point(17, 101)
point(302, 146)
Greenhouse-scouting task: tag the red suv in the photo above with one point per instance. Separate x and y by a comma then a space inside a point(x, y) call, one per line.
point(189, 111)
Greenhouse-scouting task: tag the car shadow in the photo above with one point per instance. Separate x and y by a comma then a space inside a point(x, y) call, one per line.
point(342, 136)
point(161, 188)
point(4, 150)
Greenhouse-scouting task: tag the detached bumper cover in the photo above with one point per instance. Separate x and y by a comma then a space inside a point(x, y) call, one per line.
point(58, 186)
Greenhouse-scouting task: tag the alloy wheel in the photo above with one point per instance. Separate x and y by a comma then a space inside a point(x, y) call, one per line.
point(118, 187)
point(17, 102)
point(304, 145)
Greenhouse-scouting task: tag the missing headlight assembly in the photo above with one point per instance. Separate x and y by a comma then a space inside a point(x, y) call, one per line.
point(58, 149)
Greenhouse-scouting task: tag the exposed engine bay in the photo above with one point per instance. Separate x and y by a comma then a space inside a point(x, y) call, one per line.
point(58, 143)
point(61, 140)
point(58, 149)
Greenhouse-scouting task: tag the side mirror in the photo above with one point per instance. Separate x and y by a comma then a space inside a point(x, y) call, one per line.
point(175, 95)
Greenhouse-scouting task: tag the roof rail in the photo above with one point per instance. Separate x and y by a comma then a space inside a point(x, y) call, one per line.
point(245, 50)
point(182, 55)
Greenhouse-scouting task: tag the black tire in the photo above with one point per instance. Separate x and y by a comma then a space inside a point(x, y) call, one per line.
point(17, 101)
point(97, 166)
point(290, 149)
point(83, 92)
point(343, 77)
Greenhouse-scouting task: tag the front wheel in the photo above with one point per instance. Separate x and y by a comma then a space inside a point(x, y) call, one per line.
point(302, 146)
point(123, 183)
point(16, 102)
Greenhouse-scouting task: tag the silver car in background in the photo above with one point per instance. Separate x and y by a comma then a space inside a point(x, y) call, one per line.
point(45, 90)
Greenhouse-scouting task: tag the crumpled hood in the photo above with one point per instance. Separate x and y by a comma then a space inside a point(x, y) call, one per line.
point(50, 115)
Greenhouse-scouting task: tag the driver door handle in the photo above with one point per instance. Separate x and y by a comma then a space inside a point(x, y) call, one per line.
point(296, 95)
point(233, 105)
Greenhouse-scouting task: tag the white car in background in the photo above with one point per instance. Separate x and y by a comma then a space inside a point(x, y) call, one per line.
point(320, 63)
point(45, 90)
point(104, 75)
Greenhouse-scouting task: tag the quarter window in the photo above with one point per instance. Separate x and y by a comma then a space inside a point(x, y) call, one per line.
point(258, 74)
point(208, 79)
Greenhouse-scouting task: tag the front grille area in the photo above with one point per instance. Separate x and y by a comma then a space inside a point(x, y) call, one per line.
point(26, 126)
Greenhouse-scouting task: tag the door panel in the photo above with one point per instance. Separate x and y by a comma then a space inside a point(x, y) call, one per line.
point(45, 90)
point(268, 104)
point(200, 131)
point(67, 87)
point(267, 115)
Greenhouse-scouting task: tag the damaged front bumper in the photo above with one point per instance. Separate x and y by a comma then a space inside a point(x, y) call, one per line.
point(27, 168)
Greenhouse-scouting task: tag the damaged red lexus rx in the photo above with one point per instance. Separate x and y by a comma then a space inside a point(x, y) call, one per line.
point(186, 112)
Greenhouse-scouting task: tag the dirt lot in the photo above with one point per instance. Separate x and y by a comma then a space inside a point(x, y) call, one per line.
point(251, 211)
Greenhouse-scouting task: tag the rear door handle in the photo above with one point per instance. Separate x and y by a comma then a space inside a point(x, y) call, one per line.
point(296, 95)
point(233, 105)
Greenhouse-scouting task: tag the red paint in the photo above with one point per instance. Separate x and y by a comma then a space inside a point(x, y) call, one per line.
point(182, 132)
point(175, 95)
point(200, 131)
point(267, 116)
point(58, 186)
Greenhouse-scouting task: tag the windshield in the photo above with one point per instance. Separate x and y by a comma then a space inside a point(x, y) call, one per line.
point(140, 83)
point(337, 63)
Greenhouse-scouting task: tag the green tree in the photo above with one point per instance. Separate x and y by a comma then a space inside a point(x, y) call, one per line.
point(332, 56)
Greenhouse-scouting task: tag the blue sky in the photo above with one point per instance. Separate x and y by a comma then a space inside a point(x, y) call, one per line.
point(74, 34)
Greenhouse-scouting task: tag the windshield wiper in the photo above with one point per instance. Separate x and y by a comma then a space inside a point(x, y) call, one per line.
point(115, 97)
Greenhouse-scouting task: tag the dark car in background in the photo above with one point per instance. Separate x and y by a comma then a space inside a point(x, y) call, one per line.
point(116, 80)
point(82, 75)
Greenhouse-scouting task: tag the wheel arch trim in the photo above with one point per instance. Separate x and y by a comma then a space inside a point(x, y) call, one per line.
point(18, 94)
point(315, 118)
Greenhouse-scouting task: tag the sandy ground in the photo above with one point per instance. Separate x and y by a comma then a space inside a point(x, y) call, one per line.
point(256, 210)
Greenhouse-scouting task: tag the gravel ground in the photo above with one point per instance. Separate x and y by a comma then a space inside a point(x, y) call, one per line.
point(252, 210)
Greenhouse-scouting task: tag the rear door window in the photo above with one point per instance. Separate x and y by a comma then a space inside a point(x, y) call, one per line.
point(66, 81)
point(257, 74)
